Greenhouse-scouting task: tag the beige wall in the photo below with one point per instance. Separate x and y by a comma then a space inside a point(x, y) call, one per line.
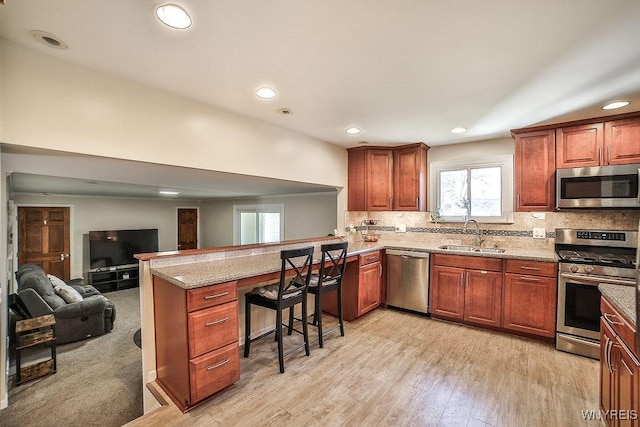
point(310, 215)
point(54, 104)
point(470, 151)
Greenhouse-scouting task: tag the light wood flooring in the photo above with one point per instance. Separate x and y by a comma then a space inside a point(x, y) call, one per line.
point(398, 369)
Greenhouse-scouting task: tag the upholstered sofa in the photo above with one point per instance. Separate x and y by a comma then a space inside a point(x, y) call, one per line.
point(80, 310)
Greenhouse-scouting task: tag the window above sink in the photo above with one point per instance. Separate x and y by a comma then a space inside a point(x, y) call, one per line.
point(480, 189)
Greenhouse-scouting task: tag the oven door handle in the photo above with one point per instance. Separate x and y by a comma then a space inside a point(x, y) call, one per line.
point(588, 280)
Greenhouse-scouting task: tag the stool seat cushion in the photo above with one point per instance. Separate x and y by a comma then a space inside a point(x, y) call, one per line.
point(271, 292)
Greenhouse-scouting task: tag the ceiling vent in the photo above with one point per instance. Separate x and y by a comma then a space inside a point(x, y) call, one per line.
point(49, 39)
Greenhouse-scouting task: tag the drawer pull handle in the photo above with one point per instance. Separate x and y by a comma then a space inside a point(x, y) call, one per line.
point(217, 365)
point(216, 295)
point(529, 279)
point(215, 322)
point(524, 267)
point(613, 322)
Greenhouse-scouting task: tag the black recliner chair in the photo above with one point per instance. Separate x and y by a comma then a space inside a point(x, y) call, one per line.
point(75, 321)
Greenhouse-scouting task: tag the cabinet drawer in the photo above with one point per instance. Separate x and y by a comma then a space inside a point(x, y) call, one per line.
point(209, 296)
point(213, 372)
point(535, 268)
point(369, 258)
point(212, 328)
point(468, 262)
point(620, 325)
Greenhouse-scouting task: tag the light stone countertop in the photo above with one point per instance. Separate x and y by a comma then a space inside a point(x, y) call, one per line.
point(623, 299)
point(203, 273)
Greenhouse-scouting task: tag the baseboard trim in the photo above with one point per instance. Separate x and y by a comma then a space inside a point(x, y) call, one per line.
point(4, 403)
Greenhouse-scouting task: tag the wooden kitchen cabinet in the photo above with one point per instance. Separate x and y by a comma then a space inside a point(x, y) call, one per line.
point(466, 289)
point(385, 179)
point(535, 171)
point(579, 146)
point(410, 178)
point(615, 142)
point(379, 184)
point(530, 297)
point(196, 340)
point(619, 369)
point(361, 287)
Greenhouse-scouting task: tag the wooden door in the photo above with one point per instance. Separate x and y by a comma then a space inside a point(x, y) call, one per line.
point(44, 239)
point(535, 171)
point(369, 282)
point(530, 304)
point(446, 297)
point(622, 141)
point(483, 297)
point(379, 190)
point(606, 369)
point(626, 391)
point(410, 178)
point(187, 228)
point(579, 146)
point(356, 180)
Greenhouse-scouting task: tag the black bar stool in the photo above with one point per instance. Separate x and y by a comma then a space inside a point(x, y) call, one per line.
point(285, 294)
point(328, 279)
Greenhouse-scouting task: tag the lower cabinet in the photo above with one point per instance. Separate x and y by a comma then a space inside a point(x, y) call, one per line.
point(196, 340)
point(530, 297)
point(361, 288)
point(619, 370)
point(519, 298)
point(466, 288)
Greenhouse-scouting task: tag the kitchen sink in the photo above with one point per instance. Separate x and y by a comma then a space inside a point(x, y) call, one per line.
point(466, 248)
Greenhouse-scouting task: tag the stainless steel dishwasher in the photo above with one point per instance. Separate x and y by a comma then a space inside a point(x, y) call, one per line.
point(408, 280)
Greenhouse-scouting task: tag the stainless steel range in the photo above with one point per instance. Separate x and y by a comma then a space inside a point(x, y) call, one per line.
point(588, 258)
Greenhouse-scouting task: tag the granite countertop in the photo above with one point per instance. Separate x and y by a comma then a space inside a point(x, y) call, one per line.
point(202, 273)
point(623, 299)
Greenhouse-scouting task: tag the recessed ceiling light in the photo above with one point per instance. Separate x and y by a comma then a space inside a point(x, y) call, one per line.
point(615, 104)
point(266, 93)
point(363, 142)
point(168, 193)
point(352, 130)
point(458, 130)
point(49, 39)
point(173, 16)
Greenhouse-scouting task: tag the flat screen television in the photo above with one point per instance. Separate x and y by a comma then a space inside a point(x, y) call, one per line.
point(113, 248)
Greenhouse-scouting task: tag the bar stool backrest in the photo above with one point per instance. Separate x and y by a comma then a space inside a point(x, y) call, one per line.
point(332, 266)
point(300, 261)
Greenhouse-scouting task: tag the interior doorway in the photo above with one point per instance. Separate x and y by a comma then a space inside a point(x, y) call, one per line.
point(44, 238)
point(187, 228)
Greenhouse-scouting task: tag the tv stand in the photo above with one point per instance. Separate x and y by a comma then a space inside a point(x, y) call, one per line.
point(108, 279)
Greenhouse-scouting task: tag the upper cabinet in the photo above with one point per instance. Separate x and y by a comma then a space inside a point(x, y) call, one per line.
point(540, 150)
point(535, 171)
point(385, 178)
point(614, 142)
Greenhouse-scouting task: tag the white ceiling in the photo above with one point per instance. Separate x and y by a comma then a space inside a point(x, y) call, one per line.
point(404, 71)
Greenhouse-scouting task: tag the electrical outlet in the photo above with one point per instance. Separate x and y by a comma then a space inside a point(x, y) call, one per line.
point(538, 215)
point(401, 228)
point(539, 233)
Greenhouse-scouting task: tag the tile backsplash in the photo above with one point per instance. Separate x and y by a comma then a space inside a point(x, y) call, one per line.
point(519, 234)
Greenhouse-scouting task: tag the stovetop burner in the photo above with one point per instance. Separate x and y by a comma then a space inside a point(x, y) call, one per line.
point(587, 257)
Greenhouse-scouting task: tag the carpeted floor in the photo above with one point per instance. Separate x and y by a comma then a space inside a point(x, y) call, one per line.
point(98, 381)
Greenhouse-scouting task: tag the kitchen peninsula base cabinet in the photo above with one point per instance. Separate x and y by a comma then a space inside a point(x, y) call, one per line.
point(196, 340)
point(466, 289)
point(361, 288)
point(530, 297)
point(619, 369)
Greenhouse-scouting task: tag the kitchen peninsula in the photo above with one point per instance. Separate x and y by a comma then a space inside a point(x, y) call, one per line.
point(186, 273)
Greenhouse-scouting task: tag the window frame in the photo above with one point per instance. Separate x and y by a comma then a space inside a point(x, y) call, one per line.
point(256, 208)
point(505, 162)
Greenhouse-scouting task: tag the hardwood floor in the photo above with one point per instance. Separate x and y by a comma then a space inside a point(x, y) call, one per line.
point(399, 369)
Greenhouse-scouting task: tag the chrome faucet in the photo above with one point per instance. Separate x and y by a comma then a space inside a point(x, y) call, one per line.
point(479, 238)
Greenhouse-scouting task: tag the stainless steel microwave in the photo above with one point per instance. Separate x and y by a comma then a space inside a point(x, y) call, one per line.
point(598, 187)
